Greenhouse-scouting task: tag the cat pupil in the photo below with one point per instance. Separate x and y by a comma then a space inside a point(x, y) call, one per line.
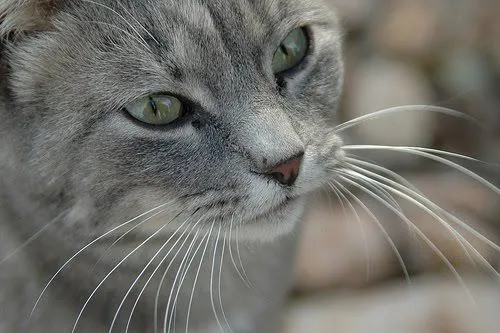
point(153, 106)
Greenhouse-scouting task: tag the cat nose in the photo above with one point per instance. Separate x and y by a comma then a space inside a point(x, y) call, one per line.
point(286, 173)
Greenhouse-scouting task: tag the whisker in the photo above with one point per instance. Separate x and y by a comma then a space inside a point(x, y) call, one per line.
point(402, 109)
point(197, 275)
point(247, 283)
point(417, 192)
point(156, 270)
point(342, 198)
point(115, 268)
point(238, 253)
point(356, 160)
point(424, 201)
point(439, 152)
point(95, 241)
point(167, 269)
point(385, 195)
point(142, 273)
point(212, 280)
point(460, 239)
point(417, 230)
point(382, 229)
point(382, 170)
point(449, 154)
point(372, 182)
point(181, 276)
point(442, 160)
point(220, 283)
point(31, 239)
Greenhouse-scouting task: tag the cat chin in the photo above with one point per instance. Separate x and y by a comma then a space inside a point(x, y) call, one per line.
point(273, 225)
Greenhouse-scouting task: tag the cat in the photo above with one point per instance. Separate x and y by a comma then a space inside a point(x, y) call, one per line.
point(156, 158)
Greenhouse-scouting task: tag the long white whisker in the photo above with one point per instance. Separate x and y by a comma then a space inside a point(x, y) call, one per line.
point(197, 275)
point(444, 153)
point(342, 198)
point(220, 283)
point(449, 154)
point(167, 269)
point(114, 269)
point(187, 263)
point(358, 161)
point(372, 182)
point(341, 201)
point(212, 280)
point(401, 192)
point(155, 270)
point(141, 274)
point(430, 156)
point(92, 243)
point(400, 109)
point(32, 238)
point(418, 231)
point(206, 236)
point(238, 254)
point(385, 195)
point(247, 283)
point(353, 159)
point(432, 204)
point(382, 229)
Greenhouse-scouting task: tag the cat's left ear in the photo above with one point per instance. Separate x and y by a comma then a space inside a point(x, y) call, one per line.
point(23, 16)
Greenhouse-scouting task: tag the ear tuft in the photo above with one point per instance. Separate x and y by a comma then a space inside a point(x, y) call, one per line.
point(20, 16)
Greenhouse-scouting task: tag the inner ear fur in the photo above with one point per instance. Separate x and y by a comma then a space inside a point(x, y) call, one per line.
point(22, 16)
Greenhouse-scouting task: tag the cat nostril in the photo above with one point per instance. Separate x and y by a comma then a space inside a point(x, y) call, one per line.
point(287, 172)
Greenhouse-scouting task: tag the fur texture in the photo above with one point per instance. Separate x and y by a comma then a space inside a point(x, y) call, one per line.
point(73, 166)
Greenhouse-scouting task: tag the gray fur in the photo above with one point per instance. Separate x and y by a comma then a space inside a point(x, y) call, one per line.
point(69, 155)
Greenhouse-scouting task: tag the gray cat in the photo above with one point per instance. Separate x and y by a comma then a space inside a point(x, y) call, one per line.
point(155, 158)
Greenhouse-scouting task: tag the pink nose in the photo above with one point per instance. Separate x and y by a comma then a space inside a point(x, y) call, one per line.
point(287, 172)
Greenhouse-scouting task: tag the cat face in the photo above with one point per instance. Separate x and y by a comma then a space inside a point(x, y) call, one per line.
point(72, 81)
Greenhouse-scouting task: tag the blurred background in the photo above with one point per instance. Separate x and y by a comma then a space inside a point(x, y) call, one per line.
point(349, 276)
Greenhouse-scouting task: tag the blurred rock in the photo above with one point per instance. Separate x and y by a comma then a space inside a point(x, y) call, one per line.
point(354, 13)
point(462, 71)
point(408, 28)
point(429, 305)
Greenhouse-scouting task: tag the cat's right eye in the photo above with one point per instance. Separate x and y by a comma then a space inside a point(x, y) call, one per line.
point(292, 50)
point(156, 109)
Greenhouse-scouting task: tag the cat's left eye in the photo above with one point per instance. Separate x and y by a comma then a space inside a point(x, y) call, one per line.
point(156, 109)
point(292, 50)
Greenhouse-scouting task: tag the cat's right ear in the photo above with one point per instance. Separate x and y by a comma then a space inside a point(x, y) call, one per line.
point(18, 17)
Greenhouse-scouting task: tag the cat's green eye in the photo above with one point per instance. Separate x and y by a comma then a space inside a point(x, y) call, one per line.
point(291, 52)
point(156, 109)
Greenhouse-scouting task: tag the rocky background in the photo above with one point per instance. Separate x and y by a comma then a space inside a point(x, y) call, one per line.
point(350, 276)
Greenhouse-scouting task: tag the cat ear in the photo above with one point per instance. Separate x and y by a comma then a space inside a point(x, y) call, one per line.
point(21, 16)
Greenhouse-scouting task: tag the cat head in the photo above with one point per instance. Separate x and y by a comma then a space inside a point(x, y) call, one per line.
point(219, 111)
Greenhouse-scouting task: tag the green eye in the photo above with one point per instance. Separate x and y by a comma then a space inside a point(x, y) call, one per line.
point(156, 109)
point(291, 51)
